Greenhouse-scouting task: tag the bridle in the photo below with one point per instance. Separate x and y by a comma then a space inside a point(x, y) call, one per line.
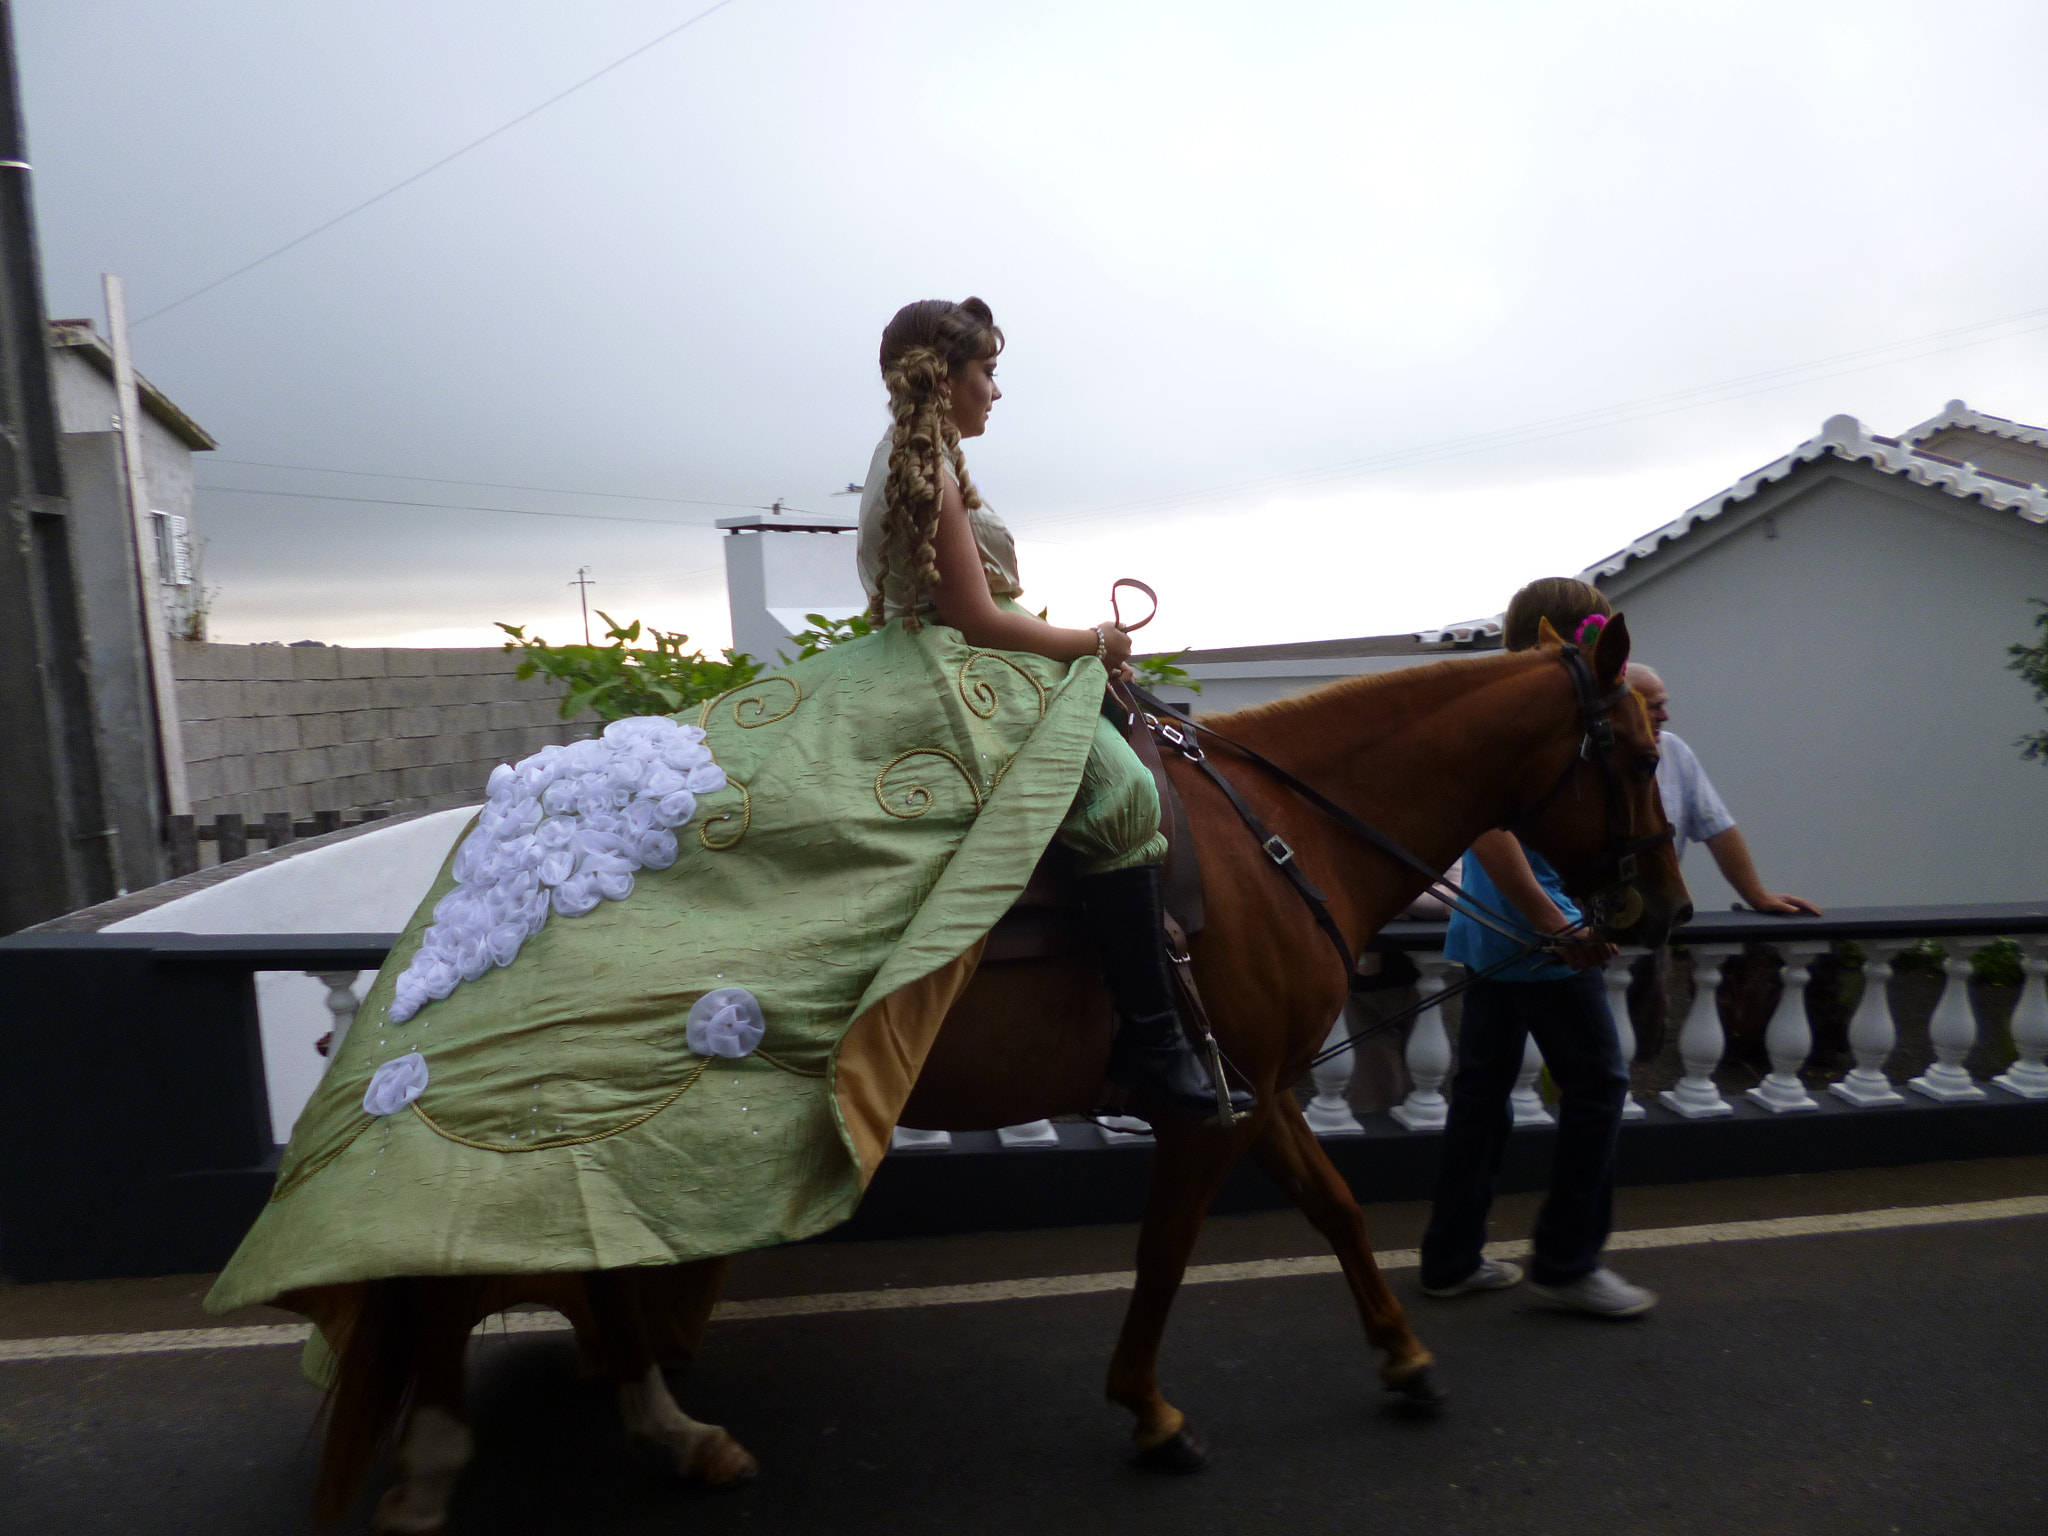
point(1616, 902)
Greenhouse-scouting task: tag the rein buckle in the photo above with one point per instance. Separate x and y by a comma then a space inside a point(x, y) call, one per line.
point(1276, 849)
point(1176, 738)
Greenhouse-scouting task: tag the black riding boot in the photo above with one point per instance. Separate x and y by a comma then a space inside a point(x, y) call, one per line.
point(1151, 1051)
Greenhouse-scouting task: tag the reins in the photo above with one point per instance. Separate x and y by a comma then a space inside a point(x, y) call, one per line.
point(1180, 735)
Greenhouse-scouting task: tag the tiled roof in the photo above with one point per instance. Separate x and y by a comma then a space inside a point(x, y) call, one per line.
point(1956, 415)
point(1844, 438)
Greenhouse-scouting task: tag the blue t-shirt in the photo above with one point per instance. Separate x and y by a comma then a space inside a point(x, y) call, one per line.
point(1471, 943)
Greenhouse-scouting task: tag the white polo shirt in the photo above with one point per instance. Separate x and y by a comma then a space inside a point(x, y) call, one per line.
point(1694, 810)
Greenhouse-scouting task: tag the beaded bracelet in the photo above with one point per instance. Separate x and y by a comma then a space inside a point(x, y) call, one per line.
point(1101, 644)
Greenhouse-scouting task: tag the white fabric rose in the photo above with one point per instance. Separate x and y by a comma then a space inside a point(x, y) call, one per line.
point(396, 1084)
point(726, 1022)
point(561, 831)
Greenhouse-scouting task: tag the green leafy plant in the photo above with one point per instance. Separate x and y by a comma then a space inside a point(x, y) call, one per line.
point(825, 633)
point(1160, 672)
point(2031, 662)
point(625, 678)
point(1996, 964)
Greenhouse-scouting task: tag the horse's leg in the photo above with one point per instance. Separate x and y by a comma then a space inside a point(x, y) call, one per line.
point(1187, 1168)
point(1292, 1157)
point(643, 1321)
point(436, 1444)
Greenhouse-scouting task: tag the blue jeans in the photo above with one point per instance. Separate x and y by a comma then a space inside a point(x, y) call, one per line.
point(1575, 1032)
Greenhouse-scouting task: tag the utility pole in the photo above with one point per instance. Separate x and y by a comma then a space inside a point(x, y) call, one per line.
point(584, 584)
point(170, 733)
point(55, 847)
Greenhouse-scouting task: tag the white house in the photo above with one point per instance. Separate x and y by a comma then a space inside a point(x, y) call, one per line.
point(1833, 628)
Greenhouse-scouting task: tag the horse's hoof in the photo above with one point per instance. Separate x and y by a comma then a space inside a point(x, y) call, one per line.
point(1178, 1452)
point(722, 1462)
point(1418, 1390)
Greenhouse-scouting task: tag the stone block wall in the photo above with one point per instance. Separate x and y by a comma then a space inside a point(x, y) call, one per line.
point(334, 728)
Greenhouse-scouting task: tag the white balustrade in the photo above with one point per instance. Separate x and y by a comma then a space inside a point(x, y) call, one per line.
point(1789, 1039)
point(908, 1139)
point(1329, 1112)
point(1617, 978)
point(1872, 1034)
point(2028, 1077)
point(1525, 1101)
point(1032, 1133)
point(1952, 1031)
point(1429, 1052)
point(341, 1005)
point(1702, 1043)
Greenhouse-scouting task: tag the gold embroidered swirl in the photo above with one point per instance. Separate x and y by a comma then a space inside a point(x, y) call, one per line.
point(753, 697)
point(745, 815)
point(980, 696)
point(917, 798)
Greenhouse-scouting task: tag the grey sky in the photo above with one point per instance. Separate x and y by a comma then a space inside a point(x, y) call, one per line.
point(1228, 243)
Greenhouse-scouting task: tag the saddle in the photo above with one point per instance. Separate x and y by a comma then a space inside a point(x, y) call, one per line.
point(1045, 920)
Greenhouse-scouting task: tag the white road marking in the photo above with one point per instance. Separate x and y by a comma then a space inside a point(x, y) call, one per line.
point(171, 1341)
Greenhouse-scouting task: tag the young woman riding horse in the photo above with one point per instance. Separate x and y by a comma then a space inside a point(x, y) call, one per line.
point(931, 547)
point(1424, 760)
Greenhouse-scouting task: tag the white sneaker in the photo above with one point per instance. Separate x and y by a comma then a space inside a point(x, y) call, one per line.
point(1602, 1293)
point(1491, 1275)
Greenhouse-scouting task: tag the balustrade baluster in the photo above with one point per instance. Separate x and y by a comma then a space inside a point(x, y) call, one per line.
point(1952, 1031)
point(1702, 1042)
point(1033, 1133)
point(1789, 1040)
point(230, 836)
point(1122, 1130)
point(341, 1006)
point(277, 829)
point(1525, 1101)
point(1617, 978)
point(908, 1139)
point(2028, 1077)
point(1429, 1052)
point(1872, 1035)
point(1329, 1112)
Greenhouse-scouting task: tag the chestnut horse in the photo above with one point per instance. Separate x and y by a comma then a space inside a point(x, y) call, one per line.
point(1431, 756)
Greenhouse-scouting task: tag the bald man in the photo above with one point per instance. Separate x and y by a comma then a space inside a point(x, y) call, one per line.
point(1696, 812)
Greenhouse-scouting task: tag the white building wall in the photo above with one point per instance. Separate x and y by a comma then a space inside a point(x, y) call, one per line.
point(1836, 655)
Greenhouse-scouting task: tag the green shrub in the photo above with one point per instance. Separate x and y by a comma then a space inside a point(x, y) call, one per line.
point(1160, 672)
point(825, 633)
point(621, 680)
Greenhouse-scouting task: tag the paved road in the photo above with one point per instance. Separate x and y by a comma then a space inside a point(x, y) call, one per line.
point(1886, 1381)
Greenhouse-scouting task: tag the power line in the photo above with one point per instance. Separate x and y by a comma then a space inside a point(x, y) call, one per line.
point(451, 506)
point(321, 229)
point(1619, 414)
point(490, 485)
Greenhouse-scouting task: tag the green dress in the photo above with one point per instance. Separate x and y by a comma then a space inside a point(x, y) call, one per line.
point(884, 803)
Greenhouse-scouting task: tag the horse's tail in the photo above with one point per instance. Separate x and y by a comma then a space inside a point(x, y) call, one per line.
point(376, 1364)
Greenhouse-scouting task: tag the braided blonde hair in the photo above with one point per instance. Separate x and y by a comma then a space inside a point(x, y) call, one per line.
point(921, 348)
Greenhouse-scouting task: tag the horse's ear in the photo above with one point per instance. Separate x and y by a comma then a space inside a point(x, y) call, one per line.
point(1610, 651)
point(1547, 636)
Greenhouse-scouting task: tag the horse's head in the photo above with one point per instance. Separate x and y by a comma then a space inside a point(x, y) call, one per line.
point(1595, 813)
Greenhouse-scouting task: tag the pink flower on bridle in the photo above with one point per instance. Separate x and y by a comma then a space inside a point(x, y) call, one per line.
point(1588, 632)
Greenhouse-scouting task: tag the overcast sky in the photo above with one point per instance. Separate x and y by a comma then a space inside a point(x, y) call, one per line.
point(1267, 271)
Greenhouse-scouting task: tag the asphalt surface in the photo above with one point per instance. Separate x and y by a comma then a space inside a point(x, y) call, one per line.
point(1887, 1381)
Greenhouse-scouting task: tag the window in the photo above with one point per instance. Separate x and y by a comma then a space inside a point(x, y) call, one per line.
point(173, 549)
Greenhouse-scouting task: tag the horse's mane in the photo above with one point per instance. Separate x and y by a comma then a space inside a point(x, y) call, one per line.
point(1399, 691)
